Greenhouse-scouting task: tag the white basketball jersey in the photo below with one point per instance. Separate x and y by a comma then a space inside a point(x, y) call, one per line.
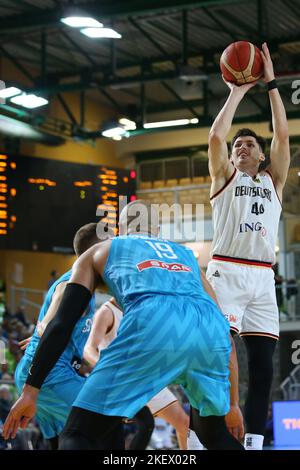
point(246, 213)
point(110, 336)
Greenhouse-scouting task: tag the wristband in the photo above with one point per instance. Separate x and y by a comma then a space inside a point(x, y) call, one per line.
point(272, 84)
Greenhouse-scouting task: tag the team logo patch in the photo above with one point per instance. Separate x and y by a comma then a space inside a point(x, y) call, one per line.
point(175, 267)
point(216, 274)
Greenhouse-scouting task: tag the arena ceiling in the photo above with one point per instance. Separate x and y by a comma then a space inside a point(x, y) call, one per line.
point(165, 66)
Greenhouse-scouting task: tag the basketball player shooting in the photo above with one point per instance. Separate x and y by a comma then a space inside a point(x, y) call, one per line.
point(246, 205)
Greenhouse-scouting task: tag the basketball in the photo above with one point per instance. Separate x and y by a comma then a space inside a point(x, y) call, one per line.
point(241, 63)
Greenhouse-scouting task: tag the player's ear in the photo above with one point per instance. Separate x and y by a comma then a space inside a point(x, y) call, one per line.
point(262, 157)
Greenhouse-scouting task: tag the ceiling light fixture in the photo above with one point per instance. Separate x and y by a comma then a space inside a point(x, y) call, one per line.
point(80, 20)
point(174, 122)
point(117, 130)
point(29, 101)
point(100, 33)
point(127, 124)
point(9, 92)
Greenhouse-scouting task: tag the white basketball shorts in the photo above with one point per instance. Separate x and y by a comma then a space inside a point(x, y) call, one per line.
point(246, 295)
point(161, 401)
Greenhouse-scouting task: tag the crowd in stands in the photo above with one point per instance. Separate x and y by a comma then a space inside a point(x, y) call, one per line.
point(13, 329)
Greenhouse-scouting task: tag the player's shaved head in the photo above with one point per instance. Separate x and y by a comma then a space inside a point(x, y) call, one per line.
point(139, 217)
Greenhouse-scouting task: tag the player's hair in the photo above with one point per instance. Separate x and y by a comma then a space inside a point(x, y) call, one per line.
point(87, 236)
point(84, 238)
point(244, 132)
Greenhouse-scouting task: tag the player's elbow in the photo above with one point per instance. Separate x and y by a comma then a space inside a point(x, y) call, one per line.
point(282, 134)
point(214, 136)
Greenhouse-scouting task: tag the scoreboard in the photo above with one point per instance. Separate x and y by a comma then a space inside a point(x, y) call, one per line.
point(43, 202)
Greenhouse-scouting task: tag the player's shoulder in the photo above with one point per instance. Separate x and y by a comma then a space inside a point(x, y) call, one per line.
point(60, 284)
point(60, 287)
point(179, 247)
point(100, 247)
point(266, 176)
point(267, 172)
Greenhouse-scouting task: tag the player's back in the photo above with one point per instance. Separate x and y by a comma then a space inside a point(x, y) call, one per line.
point(140, 265)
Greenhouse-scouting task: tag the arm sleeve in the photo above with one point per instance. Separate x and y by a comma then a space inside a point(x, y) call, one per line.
point(57, 334)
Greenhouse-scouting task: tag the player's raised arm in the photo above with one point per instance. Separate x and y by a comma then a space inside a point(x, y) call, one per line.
point(280, 148)
point(219, 165)
point(102, 324)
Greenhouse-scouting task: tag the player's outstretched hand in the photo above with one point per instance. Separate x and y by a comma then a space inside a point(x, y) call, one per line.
point(268, 64)
point(21, 413)
point(24, 343)
point(239, 88)
point(40, 328)
point(235, 422)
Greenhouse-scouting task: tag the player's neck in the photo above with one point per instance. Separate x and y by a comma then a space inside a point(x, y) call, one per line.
point(142, 234)
point(250, 171)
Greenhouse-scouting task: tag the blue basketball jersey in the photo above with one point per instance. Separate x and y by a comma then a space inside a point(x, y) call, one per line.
point(72, 355)
point(172, 332)
point(140, 265)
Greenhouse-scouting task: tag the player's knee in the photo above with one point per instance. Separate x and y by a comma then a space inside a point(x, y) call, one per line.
point(182, 423)
point(177, 417)
point(260, 359)
point(260, 371)
point(65, 442)
point(73, 440)
point(145, 420)
point(147, 426)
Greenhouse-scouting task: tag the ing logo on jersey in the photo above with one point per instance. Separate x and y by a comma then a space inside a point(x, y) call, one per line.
point(174, 267)
point(253, 227)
